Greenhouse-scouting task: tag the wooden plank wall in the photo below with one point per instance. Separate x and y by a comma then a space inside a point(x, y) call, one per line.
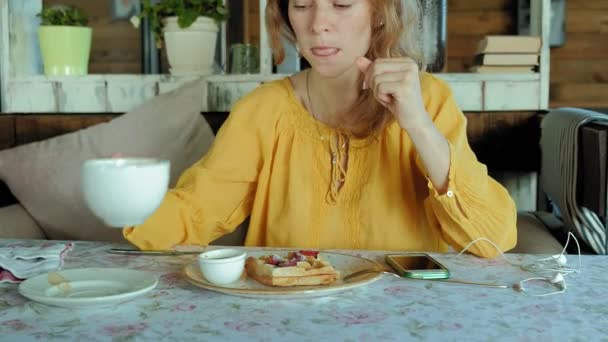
point(469, 21)
point(251, 14)
point(579, 69)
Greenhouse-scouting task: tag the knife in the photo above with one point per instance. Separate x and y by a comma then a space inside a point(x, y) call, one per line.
point(155, 253)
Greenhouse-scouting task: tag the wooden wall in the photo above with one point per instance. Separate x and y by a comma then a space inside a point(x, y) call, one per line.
point(579, 69)
point(469, 21)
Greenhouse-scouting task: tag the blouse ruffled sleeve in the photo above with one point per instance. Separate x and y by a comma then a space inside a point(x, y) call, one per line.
point(474, 205)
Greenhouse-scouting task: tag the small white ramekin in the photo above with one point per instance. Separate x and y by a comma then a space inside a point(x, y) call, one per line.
point(222, 266)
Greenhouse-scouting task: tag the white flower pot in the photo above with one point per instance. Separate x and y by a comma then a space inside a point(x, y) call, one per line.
point(191, 51)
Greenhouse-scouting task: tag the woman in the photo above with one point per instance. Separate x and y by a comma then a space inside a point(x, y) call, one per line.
point(361, 151)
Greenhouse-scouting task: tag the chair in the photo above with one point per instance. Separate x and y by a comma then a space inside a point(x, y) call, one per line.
point(586, 133)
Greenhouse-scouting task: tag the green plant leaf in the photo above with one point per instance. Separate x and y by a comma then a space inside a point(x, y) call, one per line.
point(63, 15)
point(187, 18)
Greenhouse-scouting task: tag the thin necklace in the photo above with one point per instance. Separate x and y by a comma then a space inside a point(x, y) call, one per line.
point(338, 171)
point(312, 111)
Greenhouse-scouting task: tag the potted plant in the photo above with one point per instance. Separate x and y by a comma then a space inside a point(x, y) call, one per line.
point(65, 40)
point(188, 29)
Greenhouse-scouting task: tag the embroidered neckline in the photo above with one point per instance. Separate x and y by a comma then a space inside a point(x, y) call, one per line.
point(304, 120)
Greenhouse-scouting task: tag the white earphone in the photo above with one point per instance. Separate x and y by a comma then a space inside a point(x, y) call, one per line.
point(555, 264)
point(560, 259)
point(557, 280)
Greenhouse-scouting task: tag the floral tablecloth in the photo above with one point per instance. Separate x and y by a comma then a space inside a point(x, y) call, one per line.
point(388, 309)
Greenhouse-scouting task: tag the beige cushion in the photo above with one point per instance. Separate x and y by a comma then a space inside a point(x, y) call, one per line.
point(45, 176)
point(16, 223)
point(533, 237)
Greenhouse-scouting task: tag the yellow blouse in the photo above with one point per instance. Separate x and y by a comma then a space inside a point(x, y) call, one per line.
point(272, 161)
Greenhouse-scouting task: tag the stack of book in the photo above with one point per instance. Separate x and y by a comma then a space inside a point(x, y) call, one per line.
point(507, 54)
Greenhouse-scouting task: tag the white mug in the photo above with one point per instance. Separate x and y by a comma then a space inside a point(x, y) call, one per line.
point(124, 191)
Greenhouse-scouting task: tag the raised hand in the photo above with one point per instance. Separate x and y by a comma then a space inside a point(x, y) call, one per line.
point(395, 83)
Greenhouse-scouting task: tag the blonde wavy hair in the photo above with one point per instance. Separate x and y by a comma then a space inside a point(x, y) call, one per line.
point(397, 36)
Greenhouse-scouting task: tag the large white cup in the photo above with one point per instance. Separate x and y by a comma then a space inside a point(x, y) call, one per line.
point(124, 191)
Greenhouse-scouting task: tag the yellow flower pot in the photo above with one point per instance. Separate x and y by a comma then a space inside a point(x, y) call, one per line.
point(65, 49)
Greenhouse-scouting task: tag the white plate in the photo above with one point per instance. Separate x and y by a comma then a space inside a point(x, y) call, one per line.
point(248, 287)
point(88, 287)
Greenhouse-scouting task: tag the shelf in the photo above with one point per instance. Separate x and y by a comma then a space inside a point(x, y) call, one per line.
point(121, 93)
point(450, 77)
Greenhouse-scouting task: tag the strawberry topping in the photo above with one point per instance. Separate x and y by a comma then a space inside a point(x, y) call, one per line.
point(309, 253)
point(292, 259)
point(274, 260)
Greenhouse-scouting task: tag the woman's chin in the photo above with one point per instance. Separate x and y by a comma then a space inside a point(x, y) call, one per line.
point(331, 71)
